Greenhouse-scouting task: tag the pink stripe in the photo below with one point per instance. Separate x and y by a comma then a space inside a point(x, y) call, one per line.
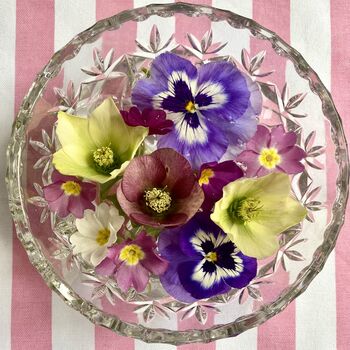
point(197, 27)
point(280, 329)
point(31, 299)
point(105, 339)
point(340, 19)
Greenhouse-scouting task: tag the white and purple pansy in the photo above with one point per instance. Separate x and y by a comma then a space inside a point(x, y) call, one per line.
point(203, 261)
point(212, 107)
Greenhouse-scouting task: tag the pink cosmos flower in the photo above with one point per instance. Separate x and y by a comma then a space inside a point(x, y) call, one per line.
point(132, 262)
point(154, 119)
point(160, 189)
point(67, 194)
point(270, 151)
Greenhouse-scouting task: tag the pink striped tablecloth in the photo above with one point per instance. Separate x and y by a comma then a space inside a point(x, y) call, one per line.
point(31, 317)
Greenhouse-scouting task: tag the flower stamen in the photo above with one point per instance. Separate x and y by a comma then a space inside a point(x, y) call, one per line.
point(103, 157)
point(159, 200)
point(190, 107)
point(131, 254)
point(206, 175)
point(269, 158)
point(71, 188)
point(103, 236)
point(212, 257)
point(246, 209)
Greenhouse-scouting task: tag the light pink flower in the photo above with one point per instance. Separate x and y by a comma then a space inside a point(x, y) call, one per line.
point(67, 194)
point(271, 151)
point(132, 262)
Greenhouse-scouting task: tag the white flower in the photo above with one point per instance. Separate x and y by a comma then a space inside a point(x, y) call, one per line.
point(97, 231)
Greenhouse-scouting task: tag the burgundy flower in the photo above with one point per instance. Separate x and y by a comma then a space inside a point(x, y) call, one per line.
point(154, 119)
point(270, 151)
point(67, 194)
point(131, 263)
point(213, 177)
point(160, 189)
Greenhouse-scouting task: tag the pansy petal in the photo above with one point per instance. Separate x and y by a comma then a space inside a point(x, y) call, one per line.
point(199, 282)
point(227, 87)
point(171, 283)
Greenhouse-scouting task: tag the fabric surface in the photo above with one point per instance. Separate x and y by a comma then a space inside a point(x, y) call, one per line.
point(31, 316)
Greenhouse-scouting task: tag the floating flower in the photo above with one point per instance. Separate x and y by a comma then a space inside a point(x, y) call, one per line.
point(67, 194)
point(212, 107)
point(132, 262)
point(160, 189)
point(99, 147)
point(272, 151)
point(97, 231)
point(153, 119)
point(203, 261)
point(253, 212)
point(213, 177)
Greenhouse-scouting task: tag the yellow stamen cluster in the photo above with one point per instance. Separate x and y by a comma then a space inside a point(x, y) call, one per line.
point(206, 175)
point(103, 157)
point(158, 200)
point(131, 254)
point(103, 236)
point(212, 257)
point(190, 107)
point(248, 209)
point(71, 188)
point(269, 158)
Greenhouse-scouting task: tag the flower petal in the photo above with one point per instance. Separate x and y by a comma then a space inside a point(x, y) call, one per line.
point(144, 172)
point(106, 267)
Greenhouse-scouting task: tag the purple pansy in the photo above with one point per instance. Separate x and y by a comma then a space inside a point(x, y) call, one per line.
point(160, 189)
point(132, 262)
point(154, 119)
point(203, 261)
point(213, 177)
point(212, 108)
point(68, 194)
point(274, 150)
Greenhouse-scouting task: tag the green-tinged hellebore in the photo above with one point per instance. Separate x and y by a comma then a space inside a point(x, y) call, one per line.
point(254, 211)
point(99, 147)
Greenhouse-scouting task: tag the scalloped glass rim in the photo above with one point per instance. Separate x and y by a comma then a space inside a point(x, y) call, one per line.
point(97, 316)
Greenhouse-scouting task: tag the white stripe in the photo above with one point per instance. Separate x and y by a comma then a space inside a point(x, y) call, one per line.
point(316, 308)
point(7, 93)
point(71, 18)
point(69, 328)
point(238, 39)
point(166, 27)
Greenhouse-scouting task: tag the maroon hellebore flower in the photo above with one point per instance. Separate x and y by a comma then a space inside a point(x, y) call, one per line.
point(68, 194)
point(132, 262)
point(160, 189)
point(154, 119)
point(213, 177)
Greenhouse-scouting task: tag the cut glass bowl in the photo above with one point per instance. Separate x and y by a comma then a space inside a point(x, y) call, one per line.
point(106, 60)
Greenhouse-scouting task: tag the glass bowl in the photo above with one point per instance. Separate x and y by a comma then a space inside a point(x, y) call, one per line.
point(106, 60)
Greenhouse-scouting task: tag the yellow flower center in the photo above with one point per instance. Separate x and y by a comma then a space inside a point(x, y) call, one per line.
point(212, 257)
point(206, 174)
point(131, 254)
point(103, 157)
point(190, 107)
point(269, 158)
point(71, 188)
point(158, 200)
point(103, 236)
